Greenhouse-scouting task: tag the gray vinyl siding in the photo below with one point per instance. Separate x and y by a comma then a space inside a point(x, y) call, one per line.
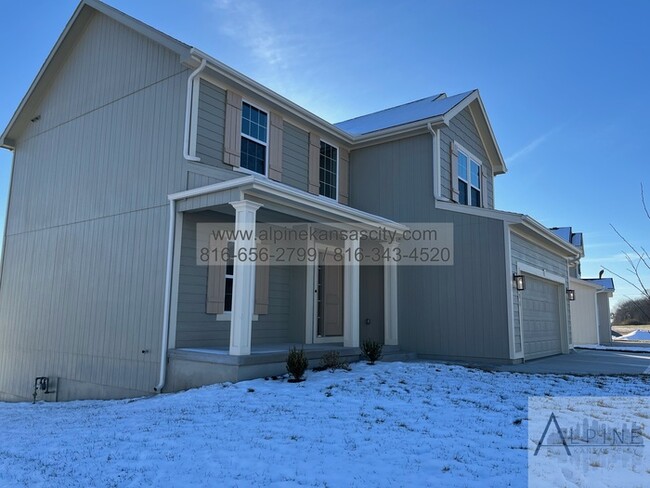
point(195, 328)
point(453, 311)
point(295, 157)
point(604, 319)
point(84, 269)
point(210, 140)
point(463, 131)
point(526, 252)
point(210, 125)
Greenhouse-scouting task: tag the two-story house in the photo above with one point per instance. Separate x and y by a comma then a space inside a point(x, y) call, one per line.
point(128, 141)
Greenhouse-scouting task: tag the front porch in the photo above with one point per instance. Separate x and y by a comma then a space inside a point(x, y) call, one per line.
point(194, 367)
point(238, 322)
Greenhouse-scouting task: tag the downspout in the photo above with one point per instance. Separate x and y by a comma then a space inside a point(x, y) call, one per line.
point(168, 292)
point(435, 133)
point(172, 228)
point(188, 111)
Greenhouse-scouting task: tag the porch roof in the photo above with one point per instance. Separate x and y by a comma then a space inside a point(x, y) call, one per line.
point(275, 195)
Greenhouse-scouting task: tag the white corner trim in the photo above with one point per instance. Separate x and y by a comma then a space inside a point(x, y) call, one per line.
point(510, 291)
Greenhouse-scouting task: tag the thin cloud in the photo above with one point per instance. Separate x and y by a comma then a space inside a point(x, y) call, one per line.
point(534, 144)
point(244, 21)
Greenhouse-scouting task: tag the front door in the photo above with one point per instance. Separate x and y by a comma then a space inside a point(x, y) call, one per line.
point(329, 299)
point(371, 304)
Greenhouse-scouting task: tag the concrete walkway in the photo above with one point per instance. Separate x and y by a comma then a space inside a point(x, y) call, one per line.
point(585, 362)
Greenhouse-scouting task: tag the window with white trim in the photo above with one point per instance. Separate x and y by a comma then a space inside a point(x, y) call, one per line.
point(328, 171)
point(254, 138)
point(230, 275)
point(469, 180)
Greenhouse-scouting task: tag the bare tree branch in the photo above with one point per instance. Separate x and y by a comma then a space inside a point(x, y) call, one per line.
point(645, 207)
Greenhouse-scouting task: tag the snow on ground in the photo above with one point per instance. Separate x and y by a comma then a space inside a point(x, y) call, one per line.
point(397, 424)
point(637, 335)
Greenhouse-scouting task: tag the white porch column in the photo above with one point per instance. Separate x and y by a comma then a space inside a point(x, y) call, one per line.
point(243, 288)
point(390, 300)
point(351, 294)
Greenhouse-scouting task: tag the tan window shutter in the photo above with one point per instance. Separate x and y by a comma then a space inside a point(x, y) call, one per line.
point(314, 163)
point(484, 187)
point(454, 172)
point(275, 147)
point(261, 288)
point(232, 130)
point(344, 176)
point(216, 289)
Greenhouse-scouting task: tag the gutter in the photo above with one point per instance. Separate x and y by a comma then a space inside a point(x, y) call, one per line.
point(172, 227)
point(435, 134)
point(188, 111)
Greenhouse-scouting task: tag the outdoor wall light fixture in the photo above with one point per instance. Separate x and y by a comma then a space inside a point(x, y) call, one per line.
point(520, 282)
point(571, 294)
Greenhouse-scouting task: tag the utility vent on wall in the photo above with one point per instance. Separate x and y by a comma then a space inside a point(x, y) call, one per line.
point(45, 389)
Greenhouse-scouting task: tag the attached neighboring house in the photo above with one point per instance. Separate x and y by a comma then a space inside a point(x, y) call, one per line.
point(590, 311)
point(128, 140)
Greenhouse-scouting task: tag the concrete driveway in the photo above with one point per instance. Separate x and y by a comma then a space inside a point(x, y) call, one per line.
point(585, 362)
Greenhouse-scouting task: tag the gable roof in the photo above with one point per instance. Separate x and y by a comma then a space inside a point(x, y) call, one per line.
point(57, 56)
point(426, 108)
point(414, 117)
point(437, 109)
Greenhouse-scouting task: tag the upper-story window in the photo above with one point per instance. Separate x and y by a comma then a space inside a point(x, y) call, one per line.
point(328, 177)
point(469, 180)
point(254, 137)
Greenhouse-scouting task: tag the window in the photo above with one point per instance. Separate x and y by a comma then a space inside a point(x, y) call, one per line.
point(230, 274)
point(254, 136)
point(329, 161)
point(469, 180)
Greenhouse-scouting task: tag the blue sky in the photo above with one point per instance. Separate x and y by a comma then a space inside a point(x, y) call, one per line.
point(564, 84)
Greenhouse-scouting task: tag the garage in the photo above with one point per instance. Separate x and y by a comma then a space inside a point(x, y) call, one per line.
point(541, 318)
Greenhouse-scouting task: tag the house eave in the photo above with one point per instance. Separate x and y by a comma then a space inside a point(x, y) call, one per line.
point(524, 223)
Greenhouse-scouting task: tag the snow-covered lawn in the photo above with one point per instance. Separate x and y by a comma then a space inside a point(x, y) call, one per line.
point(637, 335)
point(398, 424)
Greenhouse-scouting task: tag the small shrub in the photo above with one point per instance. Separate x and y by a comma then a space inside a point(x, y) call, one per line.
point(296, 364)
point(371, 351)
point(331, 360)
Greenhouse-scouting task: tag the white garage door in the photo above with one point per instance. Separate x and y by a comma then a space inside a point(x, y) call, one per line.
point(541, 318)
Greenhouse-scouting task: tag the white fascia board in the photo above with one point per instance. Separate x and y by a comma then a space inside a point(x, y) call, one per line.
point(538, 228)
point(511, 219)
point(293, 195)
point(508, 217)
point(240, 80)
point(474, 96)
point(460, 106)
point(580, 282)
